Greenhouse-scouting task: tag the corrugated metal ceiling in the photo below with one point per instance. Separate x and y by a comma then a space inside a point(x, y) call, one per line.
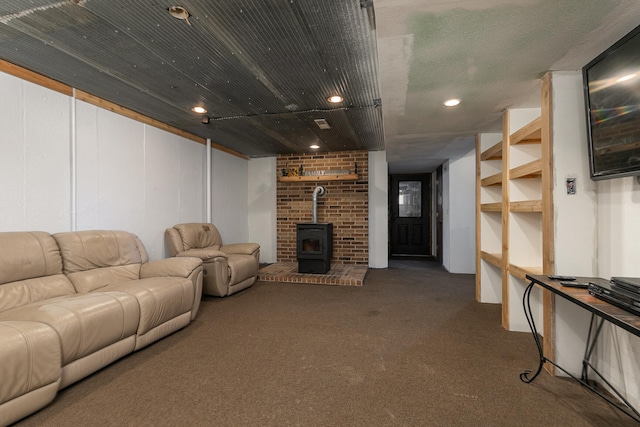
point(262, 68)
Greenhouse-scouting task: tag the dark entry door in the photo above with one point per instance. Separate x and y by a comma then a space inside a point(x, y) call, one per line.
point(410, 215)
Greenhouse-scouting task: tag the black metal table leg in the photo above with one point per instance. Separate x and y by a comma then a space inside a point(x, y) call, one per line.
point(592, 338)
point(526, 376)
point(595, 327)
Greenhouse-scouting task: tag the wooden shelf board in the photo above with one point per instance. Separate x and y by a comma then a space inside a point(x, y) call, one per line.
point(492, 180)
point(528, 170)
point(310, 178)
point(526, 206)
point(495, 259)
point(529, 134)
point(491, 207)
point(492, 153)
point(521, 272)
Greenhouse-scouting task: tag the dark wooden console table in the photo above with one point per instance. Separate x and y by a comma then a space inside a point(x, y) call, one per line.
point(601, 311)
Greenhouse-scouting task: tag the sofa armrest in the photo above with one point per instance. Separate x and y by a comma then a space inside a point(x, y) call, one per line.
point(173, 241)
point(241, 248)
point(170, 267)
point(205, 254)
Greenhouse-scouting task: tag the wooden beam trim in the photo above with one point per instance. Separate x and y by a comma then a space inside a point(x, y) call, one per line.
point(39, 79)
point(548, 251)
point(506, 154)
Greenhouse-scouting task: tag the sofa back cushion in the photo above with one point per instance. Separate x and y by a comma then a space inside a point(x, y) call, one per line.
point(198, 235)
point(30, 269)
point(93, 259)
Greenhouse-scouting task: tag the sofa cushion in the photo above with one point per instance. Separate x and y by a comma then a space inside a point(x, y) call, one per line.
point(26, 255)
point(86, 250)
point(31, 269)
point(29, 291)
point(94, 259)
point(85, 323)
point(98, 278)
point(160, 298)
point(198, 235)
point(30, 355)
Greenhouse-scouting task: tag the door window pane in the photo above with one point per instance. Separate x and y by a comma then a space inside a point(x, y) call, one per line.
point(409, 199)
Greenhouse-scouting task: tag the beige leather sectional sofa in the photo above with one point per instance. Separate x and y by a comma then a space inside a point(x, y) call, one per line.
point(72, 303)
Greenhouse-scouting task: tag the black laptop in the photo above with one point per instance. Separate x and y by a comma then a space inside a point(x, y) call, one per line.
point(616, 295)
point(629, 283)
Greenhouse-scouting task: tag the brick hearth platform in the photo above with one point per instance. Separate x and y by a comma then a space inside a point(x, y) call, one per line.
point(340, 274)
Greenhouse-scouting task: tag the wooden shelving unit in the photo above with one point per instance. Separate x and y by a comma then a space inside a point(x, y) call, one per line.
point(313, 178)
point(518, 213)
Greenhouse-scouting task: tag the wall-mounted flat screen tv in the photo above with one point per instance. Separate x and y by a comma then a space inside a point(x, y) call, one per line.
point(612, 95)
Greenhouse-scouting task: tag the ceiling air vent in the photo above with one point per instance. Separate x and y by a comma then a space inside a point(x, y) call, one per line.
point(322, 123)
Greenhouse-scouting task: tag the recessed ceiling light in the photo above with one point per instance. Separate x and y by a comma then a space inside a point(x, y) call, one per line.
point(315, 146)
point(199, 110)
point(451, 102)
point(335, 99)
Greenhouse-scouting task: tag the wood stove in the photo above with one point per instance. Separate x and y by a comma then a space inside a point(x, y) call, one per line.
point(314, 247)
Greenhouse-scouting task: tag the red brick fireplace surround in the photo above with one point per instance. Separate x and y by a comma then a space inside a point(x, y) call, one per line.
point(345, 204)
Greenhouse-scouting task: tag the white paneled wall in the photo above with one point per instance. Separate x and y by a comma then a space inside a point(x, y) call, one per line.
point(262, 206)
point(619, 255)
point(129, 175)
point(34, 157)
point(192, 182)
point(110, 171)
point(229, 175)
point(171, 196)
point(378, 211)
point(136, 177)
point(459, 214)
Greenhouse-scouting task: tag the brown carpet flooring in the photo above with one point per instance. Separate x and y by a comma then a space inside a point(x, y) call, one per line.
point(409, 348)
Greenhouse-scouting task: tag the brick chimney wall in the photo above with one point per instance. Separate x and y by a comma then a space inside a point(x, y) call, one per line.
point(345, 204)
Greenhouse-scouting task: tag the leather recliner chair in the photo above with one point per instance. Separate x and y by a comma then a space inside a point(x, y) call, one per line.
point(227, 268)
